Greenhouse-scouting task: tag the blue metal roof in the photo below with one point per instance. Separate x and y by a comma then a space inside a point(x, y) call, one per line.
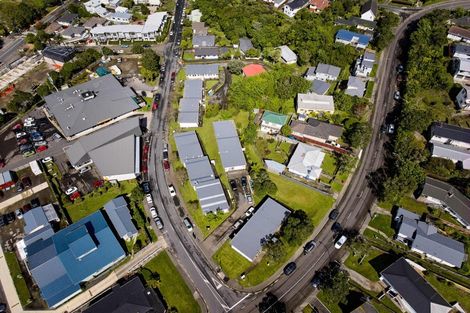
point(347, 35)
point(118, 213)
point(34, 219)
point(71, 256)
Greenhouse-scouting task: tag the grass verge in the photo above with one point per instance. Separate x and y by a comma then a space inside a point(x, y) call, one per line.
point(18, 280)
point(383, 223)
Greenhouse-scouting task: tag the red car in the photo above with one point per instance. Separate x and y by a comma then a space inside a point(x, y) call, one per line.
point(41, 148)
point(2, 163)
point(75, 195)
point(17, 127)
point(23, 141)
point(166, 165)
point(154, 106)
point(98, 183)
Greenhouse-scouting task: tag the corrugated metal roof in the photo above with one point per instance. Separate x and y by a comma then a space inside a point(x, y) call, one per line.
point(119, 215)
point(34, 219)
point(201, 70)
point(306, 161)
point(188, 146)
point(451, 132)
point(193, 88)
point(314, 102)
point(211, 196)
point(230, 149)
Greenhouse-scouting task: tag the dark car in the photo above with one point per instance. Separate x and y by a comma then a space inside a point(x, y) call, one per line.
point(316, 280)
point(290, 268)
point(309, 246)
point(10, 217)
point(243, 181)
point(233, 184)
point(146, 187)
point(2, 221)
point(333, 214)
point(336, 227)
point(35, 203)
point(165, 154)
point(19, 187)
point(26, 182)
point(26, 147)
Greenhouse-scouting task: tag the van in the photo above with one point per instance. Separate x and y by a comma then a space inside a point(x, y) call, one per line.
point(188, 224)
point(340, 242)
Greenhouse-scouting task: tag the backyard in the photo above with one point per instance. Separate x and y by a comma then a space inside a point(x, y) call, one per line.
point(382, 223)
point(18, 280)
point(160, 272)
point(371, 265)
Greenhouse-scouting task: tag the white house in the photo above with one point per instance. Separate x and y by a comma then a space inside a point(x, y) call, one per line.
point(202, 71)
point(271, 122)
point(291, 8)
point(461, 69)
point(369, 10)
point(451, 135)
point(287, 55)
point(148, 2)
point(306, 161)
point(364, 64)
point(313, 103)
point(356, 87)
point(195, 15)
point(456, 33)
point(323, 72)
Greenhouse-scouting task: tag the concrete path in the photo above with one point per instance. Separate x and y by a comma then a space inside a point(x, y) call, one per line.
point(363, 281)
point(25, 194)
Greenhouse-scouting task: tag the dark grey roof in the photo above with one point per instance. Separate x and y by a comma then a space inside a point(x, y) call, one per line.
point(130, 297)
point(319, 87)
point(74, 114)
point(461, 48)
point(34, 219)
point(462, 21)
point(106, 142)
point(449, 195)
point(188, 146)
point(118, 213)
point(245, 44)
point(203, 40)
point(94, 21)
point(211, 196)
point(206, 51)
point(230, 149)
point(199, 28)
point(328, 69)
point(450, 131)
point(67, 17)
point(416, 291)
point(201, 69)
point(297, 4)
point(193, 88)
point(370, 5)
point(188, 110)
point(316, 128)
point(429, 241)
point(199, 170)
point(264, 222)
point(59, 53)
point(73, 31)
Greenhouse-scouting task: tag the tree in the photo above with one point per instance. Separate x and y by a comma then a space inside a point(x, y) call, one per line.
point(127, 3)
point(336, 288)
point(344, 162)
point(286, 130)
point(44, 89)
point(297, 227)
point(252, 53)
point(250, 133)
point(107, 51)
point(262, 183)
point(144, 10)
point(150, 60)
point(271, 304)
point(20, 102)
point(358, 135)
point(275, 249)
point(235, 67)
point(137, 48)
point(384, 31)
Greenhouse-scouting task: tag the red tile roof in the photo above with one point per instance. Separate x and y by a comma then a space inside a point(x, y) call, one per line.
point(319, 4)
point(253, 70)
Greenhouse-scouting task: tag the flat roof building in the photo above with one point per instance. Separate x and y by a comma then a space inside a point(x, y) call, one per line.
point(188, 114)
point(188, 146)
point(193, 88)
point(58, 55)
point(265, 222)
point(202, 71)
point(230, 148)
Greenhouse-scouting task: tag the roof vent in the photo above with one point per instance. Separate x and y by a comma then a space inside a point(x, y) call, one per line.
point(70, 107)
point(87, 95)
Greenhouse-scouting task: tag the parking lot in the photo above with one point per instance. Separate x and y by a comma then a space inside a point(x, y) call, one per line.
point(26, 180)
point(241, 189)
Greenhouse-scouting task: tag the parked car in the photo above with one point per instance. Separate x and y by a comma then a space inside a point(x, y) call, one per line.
point(340, 242)
point(153, 213)
point(84, 169)
point(56, 137)
point(333, 214)
point(309, 246)
point(17, 127)
point(391, 129)
point(159, 223)
point(165, 151)
point(166, 165)
point(37, 138)
point(19, 213)
point(99, 183)
point(237, 224)
point(71, 190)
point(290, 268)
point(29, 120)
point(243, 181)
point(3, 307)
point(396, 95)
point(10, 217)
point(26, 182)
point(2, 221)
point(20, 134)
point(145, 187)
point(40, 143)
point(28, 153)
point(25, 147)
point(172, 190)
point(74, 195)
point(41, 148)
point(250, 211)
point(336, 227)
point(188, 224)
point(19, 187)
point(149, 199)
point(249, 199)
point(400, 68)
point(233, 184)
point(316, 280)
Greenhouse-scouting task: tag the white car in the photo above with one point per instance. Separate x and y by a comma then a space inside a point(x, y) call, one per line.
point(159, 223)
point(29, 120)
point(340, 242)
point(29, 124)
point(172, 191)
point(71, 190)
point(47, 160)
point(84, 169)
point(149, 199)
point(56, 137)
point(20, 134)
point(40, 143)
point(153, 213)
point(249, 211)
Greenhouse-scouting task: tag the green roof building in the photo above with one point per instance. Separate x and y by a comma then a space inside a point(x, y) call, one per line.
point(271, 122)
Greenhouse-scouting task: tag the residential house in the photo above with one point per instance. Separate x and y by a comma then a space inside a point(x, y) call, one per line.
point(34, 220)
point(462, 99)
point(149, 31)
point(278, 3)
point(88, 106)
point(460, 51)
point(359, 23)
point(291, 8)
point(131, 296)
point(274, 167)
point(364, 64)
point(463, 21)
point(120, 17)
point(318, 5)
point(271, 122)
point(149, 2)
point(67, 19)
point(230, 148)
point(53, 28)
point(313, 103)
point(73, 32)
point(7, 180)
point(323, 72)
point(410, 290)
point(306, 161)
point(118, 213)
point(319, 87)
point(245, 45)
point(253, 70)
point(287, 55)
point(95, 7)
point(193, 89)
point(351, 38)
point(195, 15)
point(206, 53)
point(456, 33)
point(94, 21)
point(447, 197)
point(203, 41)
point(51, 213)
point(450, 134)
point(356, 86)
point(58, 55)
point(199, 28)
point(62, 263)
point(453, 153)
point(259, 229)
point(188, 146)
point(316, 131)
point(188, 114)
point(461, 69)
point(424, 238)
point(202, 71)
point(96, 148)
point(369, 10)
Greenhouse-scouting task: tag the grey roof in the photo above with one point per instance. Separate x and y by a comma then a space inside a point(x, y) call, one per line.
point(199, 170)
point(450, 131)
point(463, 21)
point(104, 143)
point(188, 146)
point(264, 222)
point(407, 227)
point(319, 87)
point(306, 161)
point(118, 213)
point(287, 54)
point(369, 55)
point(311, 71)
point(34, 219)
point(193, 88)
point(59, 53)
point(74, 114)
point(202, 69)
point(94, 21)
point(50, 212)
point(296, 4)
point(245, 44)
point(370, 5)
point(428, 240)
point(206, 51)
point(451, 152)
point(230, 149)
point(314, 102)
point(203, 40)
point(67, 17)
point(449, 195)
point(274, 166)
point(461, 49)
point(72, 31)
point(199, 28)
point(416, 291)
point(188, 110)
point(405, 213)
point(356, 86)
point(40, 234)
point(211, 196)
point(328, 69)
point(316, 128)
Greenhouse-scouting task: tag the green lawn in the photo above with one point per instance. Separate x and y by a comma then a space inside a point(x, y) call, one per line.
point(383, 223)
point(332, 307)
point(231, 262)
point(369, 89)
point(20, 284)
point(210, 83)
point(188, 56)
point(450, 291)
point(95, 201)
point(172, 286)
point(328, 166)
point(407, 203)
point(371, 265)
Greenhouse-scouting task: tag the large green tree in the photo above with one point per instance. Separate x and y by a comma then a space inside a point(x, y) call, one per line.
point(297, 227)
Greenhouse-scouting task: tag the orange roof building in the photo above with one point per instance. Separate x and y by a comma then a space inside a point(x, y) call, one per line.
point(318, 5)
point(253, 70)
